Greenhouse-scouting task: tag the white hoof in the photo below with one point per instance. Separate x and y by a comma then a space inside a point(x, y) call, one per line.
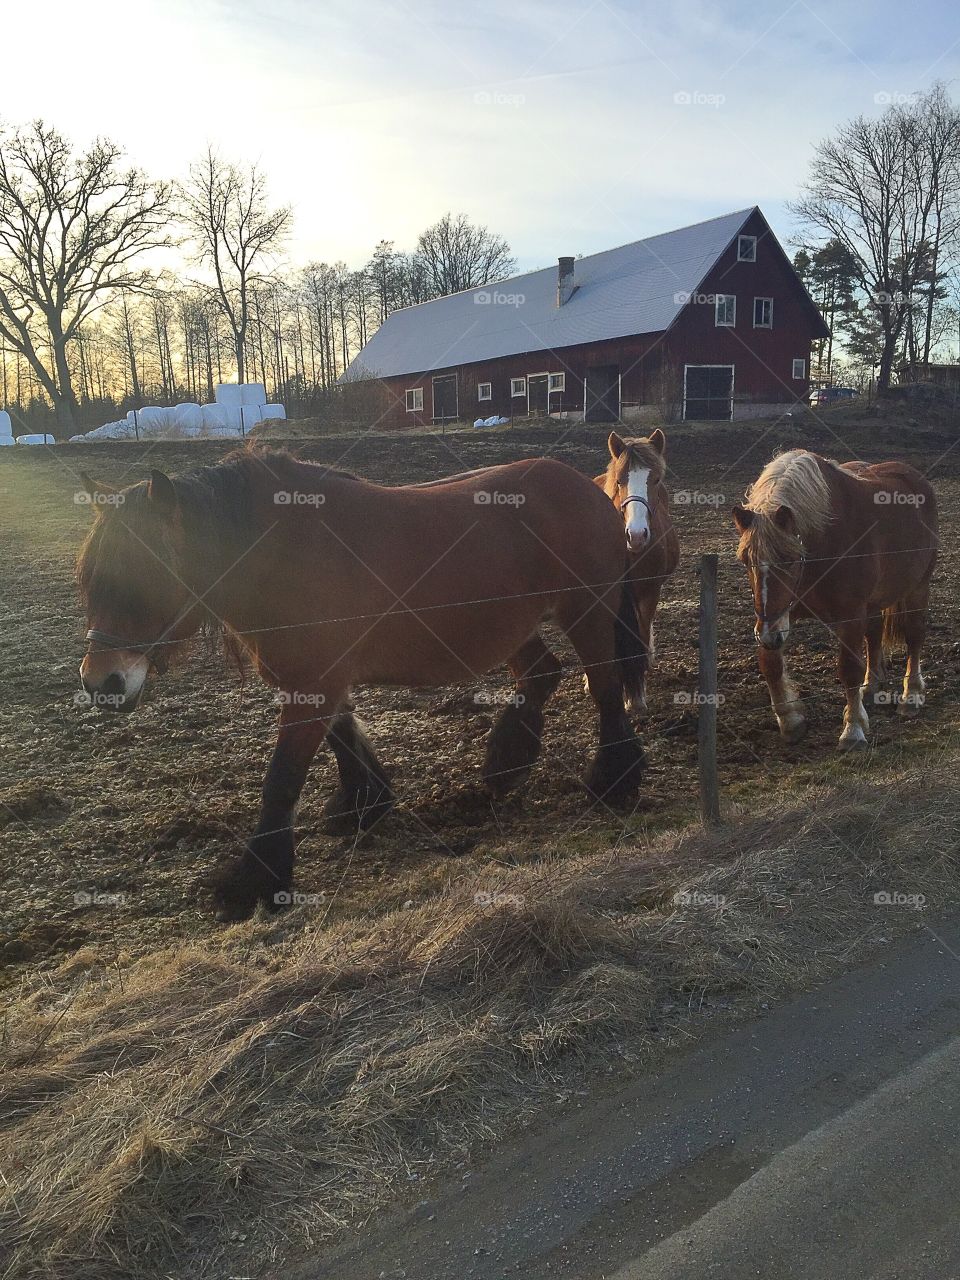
point(911, 705)
point(853, 738)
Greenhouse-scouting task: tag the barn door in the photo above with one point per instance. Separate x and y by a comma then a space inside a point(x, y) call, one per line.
point(537, 394)
point(602, 394)
point(708, 392)
point(445, 404)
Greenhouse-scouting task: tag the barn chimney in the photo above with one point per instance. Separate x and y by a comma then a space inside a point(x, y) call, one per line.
point(565, 284)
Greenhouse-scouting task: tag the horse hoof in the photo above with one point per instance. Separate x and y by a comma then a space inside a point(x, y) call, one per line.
point(617, 772)
point(908, 710)
point(513, 747)
point(247, 883)
point(346, 815)
point(852, 744)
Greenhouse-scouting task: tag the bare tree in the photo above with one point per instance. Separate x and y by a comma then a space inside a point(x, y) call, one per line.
point(883, 189)
point(73, 232)
point(235, 231)
point(457, 255)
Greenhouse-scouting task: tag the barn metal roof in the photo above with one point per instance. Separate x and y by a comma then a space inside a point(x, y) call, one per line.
point(636, 288)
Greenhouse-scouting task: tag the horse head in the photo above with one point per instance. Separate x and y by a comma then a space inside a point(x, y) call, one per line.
point(634, 474)
point(773, 555)
point(137, 604)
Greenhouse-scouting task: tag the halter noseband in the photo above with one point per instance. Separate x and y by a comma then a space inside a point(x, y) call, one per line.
point(146, 647)
point(635, 497)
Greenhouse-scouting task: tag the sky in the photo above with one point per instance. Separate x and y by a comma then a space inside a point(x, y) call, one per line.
point(567, 126)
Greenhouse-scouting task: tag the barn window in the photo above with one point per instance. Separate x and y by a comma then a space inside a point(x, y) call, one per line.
point(414, 399)
point(726, 314)
point(558, 381)
point(763, 313)
point(746, 248)
point(799, 369)
point(518, 386)
point(484, 390)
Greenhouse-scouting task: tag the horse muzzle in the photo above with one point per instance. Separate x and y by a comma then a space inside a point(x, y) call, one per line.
point(118, 689)
point(771, 637)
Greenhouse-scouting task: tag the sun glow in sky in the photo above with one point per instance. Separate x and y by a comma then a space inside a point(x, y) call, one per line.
point(567, 126)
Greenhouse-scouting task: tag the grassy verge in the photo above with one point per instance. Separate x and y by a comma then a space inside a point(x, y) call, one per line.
point(209, 1109)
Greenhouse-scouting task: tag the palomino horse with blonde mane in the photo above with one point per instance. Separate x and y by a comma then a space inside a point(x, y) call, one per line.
point(327, 581)
point(854, 546)
point(634, 482)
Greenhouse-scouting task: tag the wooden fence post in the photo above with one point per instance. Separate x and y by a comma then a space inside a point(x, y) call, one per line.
point(707, 693)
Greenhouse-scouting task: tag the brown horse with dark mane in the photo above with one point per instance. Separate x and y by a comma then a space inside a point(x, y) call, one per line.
point(327, 581)
point(634, 481)
point(854, 546)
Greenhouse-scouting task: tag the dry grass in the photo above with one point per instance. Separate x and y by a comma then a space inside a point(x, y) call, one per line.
point(292, 1074)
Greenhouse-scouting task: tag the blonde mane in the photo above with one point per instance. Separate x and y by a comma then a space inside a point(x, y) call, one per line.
point(792, 479)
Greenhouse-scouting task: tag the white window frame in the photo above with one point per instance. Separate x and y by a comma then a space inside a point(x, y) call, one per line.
point(752, 242)
point(481, 386)
point(721, 299)
point(762, 326)
point(801, 376)
point(417, 393)
point(518, 387)
point(556, 382)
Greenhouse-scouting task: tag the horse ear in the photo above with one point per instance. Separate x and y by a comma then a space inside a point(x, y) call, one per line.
point(742, 518)
point(161, 491)
point(95, 490)
point(615, 445)
point(658, 441)
point(784, 519)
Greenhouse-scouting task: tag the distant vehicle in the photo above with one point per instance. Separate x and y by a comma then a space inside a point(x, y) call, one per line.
point(830, 395)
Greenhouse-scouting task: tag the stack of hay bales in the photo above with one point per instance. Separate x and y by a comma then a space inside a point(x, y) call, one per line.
point(238, 408)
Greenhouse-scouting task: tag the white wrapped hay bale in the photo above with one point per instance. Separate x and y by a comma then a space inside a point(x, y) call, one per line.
point(248, 415)
point(237, 393)
point(35, 438)
point(6, 440)
point(187, 418)
point(273, 413)
point(155, 420)
point(212, 416)
point(6, 426)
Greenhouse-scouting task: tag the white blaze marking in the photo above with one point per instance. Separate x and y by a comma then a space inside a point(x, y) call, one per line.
point(638, 517)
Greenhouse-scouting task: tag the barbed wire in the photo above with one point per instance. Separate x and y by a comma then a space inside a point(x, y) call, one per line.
point(395, 612)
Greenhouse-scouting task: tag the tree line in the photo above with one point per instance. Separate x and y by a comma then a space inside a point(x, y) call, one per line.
point(92, 322)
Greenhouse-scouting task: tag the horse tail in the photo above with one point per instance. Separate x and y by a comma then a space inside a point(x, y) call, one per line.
point(894, 633)
point(631, 652)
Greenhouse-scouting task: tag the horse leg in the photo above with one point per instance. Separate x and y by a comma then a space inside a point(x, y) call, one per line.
point(646, 600)
point(514, 742)
point(264, 872)
point(914, 624)
point(851, 666)
point(876, 666)
point(784, 698)
point(617, 769)
point(364, 794)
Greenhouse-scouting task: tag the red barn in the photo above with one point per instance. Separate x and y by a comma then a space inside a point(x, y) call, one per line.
point(707, 322)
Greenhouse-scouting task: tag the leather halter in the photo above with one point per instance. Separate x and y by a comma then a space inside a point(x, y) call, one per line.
point(635, 497)
point(146, 647)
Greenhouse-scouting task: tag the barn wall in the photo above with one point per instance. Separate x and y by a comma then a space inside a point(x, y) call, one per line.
point(639, 359)
point(763, 358)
